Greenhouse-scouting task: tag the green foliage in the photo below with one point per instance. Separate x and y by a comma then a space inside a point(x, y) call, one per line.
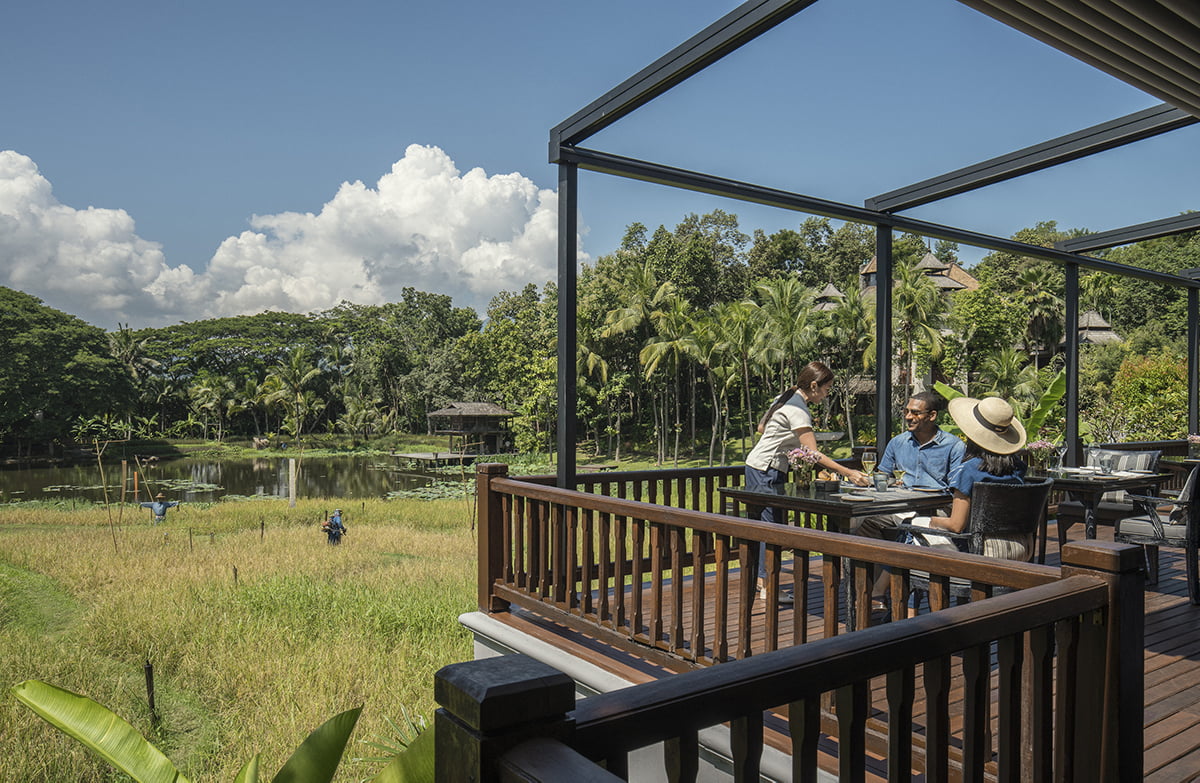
point(1150, 392)
point(54, 368)
point(112, 738)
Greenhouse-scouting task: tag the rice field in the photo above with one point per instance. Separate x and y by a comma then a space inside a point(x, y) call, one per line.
point(257, 631)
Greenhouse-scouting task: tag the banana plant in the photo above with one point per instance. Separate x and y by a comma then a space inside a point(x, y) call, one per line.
point(121, 745)
point(1038, 413)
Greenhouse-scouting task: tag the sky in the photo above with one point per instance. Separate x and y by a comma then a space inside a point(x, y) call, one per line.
point(164, 162)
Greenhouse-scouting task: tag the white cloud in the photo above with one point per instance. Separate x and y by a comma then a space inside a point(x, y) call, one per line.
point(423, 225)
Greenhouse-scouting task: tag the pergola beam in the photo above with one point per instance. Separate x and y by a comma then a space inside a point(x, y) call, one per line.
point(1098, 138)
point(631, 168)
point(738, 27)
point(1154, 229)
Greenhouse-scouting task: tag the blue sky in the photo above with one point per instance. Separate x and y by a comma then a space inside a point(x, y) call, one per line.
point(162, 163)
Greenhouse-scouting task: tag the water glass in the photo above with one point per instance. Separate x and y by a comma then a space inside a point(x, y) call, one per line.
point(881, 481)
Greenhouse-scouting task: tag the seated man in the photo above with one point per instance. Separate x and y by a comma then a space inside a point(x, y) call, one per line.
point(925, 452)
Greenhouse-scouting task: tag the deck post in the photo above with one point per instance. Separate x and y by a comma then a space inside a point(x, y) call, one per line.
point(489, 706)
point(490, 536)
point(1121, 666)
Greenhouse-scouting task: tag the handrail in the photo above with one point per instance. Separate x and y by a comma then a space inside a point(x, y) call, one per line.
point(624, 720)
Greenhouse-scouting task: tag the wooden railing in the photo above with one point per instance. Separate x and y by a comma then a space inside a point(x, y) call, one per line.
point(664, 583)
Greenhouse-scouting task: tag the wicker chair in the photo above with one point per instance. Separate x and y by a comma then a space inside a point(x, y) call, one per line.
point(1175, 525)
point(998, 509)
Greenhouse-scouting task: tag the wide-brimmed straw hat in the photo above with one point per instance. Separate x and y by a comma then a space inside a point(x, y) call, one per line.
point(159, 495)
point(989, 422)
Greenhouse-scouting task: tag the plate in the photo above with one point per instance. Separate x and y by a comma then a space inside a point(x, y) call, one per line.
point(856, 498)
point(927, 489)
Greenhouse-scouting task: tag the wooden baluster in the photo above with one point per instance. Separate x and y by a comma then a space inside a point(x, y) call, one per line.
point(800, 574)
point(699, 602)
point(588, 562)
point(1037, 741)
point(638, 561)
point(620, 571)
point(721, 600)
point(976, 719)
point(747, 557)
point(771, 604)
point(676, 546)
point(804, 726)
point(573, 588)
point(605, 573)
point(506, 504)
point(1009, 655)
point(901, 693)
point(746, 740)
point(1065, 696)
point(656, 583)
point(521, 530)
point(937, 719)
point(831, 575)
point(852, 711)
point(682, 757)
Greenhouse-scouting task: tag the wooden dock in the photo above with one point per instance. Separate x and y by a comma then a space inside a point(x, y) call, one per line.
point(436, 459)
point(1171, 665)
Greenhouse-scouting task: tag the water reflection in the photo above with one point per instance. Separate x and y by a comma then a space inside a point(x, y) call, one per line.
point(209, 480)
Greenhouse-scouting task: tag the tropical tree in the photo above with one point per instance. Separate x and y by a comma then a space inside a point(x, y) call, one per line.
point(292, 378)
point(1039, 284)
point(671, 342)
point(787, 336)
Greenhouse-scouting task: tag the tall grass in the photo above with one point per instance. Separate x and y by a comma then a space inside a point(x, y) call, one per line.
point(306, 631)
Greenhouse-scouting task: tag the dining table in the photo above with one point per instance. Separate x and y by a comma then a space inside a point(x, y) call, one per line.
point(843, 507)
point(1088, 485)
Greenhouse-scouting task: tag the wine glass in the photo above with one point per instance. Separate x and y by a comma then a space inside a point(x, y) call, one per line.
point(869, 461)
point(898, 474)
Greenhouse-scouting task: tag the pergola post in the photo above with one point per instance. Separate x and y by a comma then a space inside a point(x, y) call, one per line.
point(1193, 360)
point(1071, 294)
point(883, 335)
point(568, 212)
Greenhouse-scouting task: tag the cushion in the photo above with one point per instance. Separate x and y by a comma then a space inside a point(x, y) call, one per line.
point(1122, 460)
point(1141, 526)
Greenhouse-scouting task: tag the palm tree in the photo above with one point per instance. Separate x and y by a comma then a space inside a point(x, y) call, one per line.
point(1039, 285)
point(848, 335)
point(672, 341)
point(739, 324)
point(1009, 374)
point(293, 375)
point(787, 336)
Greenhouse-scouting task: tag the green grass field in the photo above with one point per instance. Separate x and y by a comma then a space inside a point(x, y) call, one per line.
point(306, 631)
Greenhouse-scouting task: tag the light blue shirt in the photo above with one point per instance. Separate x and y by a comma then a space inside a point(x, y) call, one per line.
point(927, 466)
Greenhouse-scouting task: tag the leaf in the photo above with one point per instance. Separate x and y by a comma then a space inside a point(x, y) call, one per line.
point(412, 765)
point(949, 392)
point(249, 773)
point(1051, 397)
point(317, 758)
point(104, 732)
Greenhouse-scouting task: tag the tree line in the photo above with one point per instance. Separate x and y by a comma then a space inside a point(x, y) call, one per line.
point(684, 334)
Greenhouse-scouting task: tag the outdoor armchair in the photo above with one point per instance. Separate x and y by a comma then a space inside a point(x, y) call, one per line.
point(1166, 522)
point(999, 511)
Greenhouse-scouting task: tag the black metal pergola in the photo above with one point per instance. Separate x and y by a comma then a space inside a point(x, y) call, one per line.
point(1153, 46)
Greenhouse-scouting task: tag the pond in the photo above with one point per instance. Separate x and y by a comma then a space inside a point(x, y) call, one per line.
point(209, 480)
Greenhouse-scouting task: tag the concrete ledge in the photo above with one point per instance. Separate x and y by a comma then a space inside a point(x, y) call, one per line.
point(495, 638)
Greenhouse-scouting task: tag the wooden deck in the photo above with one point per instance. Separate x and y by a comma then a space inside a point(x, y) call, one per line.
point(1172, 667)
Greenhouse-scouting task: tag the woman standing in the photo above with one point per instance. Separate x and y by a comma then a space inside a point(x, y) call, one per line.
point(787, 424)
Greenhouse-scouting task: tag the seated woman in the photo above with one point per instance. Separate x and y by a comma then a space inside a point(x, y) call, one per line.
point(994, 436)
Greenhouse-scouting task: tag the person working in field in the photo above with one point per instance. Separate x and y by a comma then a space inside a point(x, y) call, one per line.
point(159, 506)
point(334, 527)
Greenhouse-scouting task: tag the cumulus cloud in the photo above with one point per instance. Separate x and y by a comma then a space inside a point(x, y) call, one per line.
point(424, 225)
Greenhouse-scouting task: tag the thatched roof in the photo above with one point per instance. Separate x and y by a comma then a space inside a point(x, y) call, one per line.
point(471, 409)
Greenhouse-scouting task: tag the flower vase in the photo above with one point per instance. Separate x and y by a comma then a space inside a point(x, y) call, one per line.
point(804, 476)
point(1194, 451)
